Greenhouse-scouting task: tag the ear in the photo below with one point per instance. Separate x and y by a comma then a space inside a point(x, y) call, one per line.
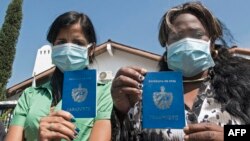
point(213, 50)
point(164, 58)
point(92, 49)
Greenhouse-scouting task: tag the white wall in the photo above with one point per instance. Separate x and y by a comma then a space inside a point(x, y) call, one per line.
point(105, 62)
point(43, 60)
point(244, 56)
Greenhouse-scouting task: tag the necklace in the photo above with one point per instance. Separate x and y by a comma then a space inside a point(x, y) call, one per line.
point(196, 80)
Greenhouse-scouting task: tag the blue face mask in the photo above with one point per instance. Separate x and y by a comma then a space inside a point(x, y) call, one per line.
point(190, 56)
point(68, 57)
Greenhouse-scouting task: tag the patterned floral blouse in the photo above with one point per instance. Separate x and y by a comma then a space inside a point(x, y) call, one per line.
point(205, 109)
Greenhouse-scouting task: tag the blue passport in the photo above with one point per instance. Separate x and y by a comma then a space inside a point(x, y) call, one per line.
point(79, 93)
point(163, 100)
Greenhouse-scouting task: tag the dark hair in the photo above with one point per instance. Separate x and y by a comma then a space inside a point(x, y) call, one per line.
point(231, 83)
point(65, 20)
point(68, 19)
point(210, 23)
point(230, 76)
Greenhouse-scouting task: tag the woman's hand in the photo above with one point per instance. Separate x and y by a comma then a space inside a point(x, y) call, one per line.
point(56, 126)
point(126, 87)
point(204, 132)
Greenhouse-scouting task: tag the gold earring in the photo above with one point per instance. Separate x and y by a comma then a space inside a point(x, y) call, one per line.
point(215, 53)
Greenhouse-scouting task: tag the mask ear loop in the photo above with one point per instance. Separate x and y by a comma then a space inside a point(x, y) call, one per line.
point(89, 45)
point(91, 52)
point(165, 54)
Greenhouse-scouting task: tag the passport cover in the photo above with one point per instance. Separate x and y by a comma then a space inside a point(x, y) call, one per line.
point(163, 100)
point(79, 93)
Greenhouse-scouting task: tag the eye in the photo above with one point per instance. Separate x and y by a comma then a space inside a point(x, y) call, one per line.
point(199, 34)
point(174, 37)
point(80, 42)
point(59, 42)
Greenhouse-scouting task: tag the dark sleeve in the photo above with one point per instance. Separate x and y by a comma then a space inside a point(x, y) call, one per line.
point(122, 127)
point(2, 131)
point(127, 127)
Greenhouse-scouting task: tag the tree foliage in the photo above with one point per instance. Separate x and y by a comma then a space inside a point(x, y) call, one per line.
point(8, 38)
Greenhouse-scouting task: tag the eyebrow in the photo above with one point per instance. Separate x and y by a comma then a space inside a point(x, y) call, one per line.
point(193, 29)
point(196, 29)
point(189, 30)
point(75, 39)
point(60, 39)
point(82, 40)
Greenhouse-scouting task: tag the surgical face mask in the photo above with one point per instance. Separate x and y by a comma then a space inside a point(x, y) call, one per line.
point(190, 56)
point(68, 57)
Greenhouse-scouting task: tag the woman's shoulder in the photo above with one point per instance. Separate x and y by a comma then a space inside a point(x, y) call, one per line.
point(103, 87)
point(32, 90)
point(104, 91)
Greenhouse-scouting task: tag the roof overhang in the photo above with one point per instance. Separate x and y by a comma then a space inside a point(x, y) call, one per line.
point(99, 50)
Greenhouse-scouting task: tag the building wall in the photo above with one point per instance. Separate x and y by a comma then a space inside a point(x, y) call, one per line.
point(242, 55)
point(105, 62)
point(43, 60)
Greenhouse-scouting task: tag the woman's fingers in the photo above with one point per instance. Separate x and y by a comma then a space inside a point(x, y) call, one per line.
point(125, 97)
point(191, 128)
point(47, 135)
point(58, 129)
point(135, 73)
point(205, 136)
point(55, 120)
point(64, 114)
point(126, 87)
point(141, 70)
point(57, 125)
point(203, 132)
point(124, 81)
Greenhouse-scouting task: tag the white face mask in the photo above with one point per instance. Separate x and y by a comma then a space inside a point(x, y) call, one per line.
point(190, 56)
point(69, 56)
